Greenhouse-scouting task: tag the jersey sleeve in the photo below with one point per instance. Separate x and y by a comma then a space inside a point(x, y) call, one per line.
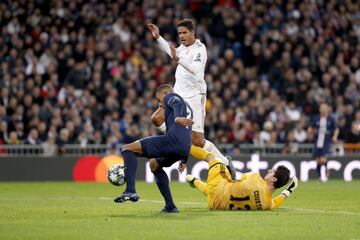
point(277, 201)
point(164, 45)
point(197, 64)
point(176, 105)
point(315, 121)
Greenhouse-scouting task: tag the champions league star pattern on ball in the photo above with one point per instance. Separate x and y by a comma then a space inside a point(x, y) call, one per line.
point(116, 174)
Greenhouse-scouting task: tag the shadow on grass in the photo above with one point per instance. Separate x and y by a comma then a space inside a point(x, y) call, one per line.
point(194, 213)
point(184, 214)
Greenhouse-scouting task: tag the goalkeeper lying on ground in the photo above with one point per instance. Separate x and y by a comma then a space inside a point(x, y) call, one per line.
point(251, 192)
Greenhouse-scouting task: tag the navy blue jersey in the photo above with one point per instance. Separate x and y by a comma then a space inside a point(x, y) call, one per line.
point(175, 106)
point(325, 130)
point(176, 143)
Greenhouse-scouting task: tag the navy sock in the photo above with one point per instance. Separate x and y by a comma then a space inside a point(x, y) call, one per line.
point(130, 161)
point(162, 182)
point(318, 169)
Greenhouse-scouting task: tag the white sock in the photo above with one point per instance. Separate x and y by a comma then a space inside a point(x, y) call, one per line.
point(323, 176)
point(210, 147)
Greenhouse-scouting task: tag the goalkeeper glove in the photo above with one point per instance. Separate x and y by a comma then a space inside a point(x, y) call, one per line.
point(292, 186)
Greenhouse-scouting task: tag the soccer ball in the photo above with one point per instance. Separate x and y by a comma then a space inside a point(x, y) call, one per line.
point(116, 175)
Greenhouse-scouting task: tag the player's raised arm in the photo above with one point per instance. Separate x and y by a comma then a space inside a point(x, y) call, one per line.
point(285, 194)
point(164, 45)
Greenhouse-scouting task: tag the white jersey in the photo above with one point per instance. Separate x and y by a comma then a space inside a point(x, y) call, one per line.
point(190, 71)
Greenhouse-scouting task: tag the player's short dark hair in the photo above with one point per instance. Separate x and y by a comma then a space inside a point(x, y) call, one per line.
point(282, 174)
point(163, 87)
point(188, 23)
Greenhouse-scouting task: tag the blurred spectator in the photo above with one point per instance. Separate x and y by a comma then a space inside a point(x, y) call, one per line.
point(32, 138)
point(354, 135)
point(299, 132)
point(13, 138)
point(62, 140)
point(82, 139)
point(91, 68)
point(265, 135)
point(291, 146)
point(42, 131)
point(4, 138)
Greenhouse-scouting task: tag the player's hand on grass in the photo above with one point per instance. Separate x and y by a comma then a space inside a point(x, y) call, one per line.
point(154, 30)
point(181, 167)
point(184, 121)
point(292, 186)
point(173, 52)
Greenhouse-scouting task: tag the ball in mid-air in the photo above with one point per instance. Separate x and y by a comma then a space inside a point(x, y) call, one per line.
point(116, 174)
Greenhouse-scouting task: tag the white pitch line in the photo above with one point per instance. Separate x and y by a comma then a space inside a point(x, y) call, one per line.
point(295, 209)
point(309, 210)
point(324, 211)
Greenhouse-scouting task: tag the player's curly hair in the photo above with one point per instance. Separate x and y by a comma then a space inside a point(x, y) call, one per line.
point(282, 174)
point(188, 23)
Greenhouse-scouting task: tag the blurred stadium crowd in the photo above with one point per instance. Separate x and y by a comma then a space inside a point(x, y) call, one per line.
point(82, 71)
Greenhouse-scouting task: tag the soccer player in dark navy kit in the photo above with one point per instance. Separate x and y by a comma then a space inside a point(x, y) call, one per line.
point(167, 149)
point(326, 132)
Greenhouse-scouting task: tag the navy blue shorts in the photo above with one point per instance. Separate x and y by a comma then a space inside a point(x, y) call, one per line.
point(166, 149)
point(167, 161)
point(320, 152)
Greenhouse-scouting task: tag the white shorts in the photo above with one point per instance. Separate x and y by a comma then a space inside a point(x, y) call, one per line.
point(197, 103)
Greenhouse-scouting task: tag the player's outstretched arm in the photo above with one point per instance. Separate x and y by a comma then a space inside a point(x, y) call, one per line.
point(164, 45)
point(286, 193)
point(292, 186)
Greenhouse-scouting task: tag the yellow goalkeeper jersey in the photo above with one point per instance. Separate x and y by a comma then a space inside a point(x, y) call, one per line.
point(249, 193)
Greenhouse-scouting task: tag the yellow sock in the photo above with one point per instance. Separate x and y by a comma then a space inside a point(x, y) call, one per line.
point(200, 153)
point(201, 186)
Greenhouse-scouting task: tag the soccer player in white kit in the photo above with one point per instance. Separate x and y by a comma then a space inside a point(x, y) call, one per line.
point(191, 57)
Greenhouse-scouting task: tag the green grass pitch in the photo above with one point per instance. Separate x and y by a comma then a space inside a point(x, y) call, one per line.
point(86, 211)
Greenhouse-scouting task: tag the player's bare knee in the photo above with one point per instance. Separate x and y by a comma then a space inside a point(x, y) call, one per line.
point(323, 160)
point(319, 161)
point(154, 166)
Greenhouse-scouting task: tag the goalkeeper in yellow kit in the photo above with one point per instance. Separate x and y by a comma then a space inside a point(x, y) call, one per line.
point(250, 192)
